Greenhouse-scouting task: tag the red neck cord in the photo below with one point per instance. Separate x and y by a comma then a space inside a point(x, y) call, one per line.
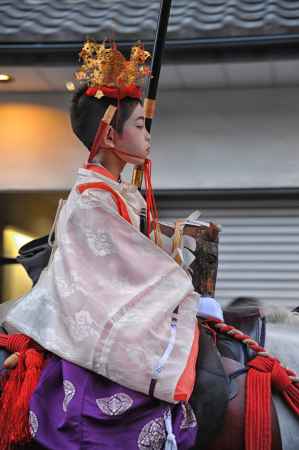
point(151, 209)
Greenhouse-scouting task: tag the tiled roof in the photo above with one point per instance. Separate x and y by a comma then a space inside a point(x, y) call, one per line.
point(74, 20)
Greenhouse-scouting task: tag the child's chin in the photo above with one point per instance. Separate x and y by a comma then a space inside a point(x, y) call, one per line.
point(135, 161)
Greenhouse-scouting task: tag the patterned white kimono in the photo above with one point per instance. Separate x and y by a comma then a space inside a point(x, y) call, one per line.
point(107, 298)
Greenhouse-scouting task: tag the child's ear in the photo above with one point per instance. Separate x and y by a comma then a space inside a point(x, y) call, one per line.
point(109, 138)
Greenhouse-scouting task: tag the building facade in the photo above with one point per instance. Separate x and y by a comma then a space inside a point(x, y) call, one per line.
point(224, 141)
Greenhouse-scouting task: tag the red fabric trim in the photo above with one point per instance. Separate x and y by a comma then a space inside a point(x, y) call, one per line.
point(120, 203)
point(132, 91)
point(101, 170)
point(186, 382)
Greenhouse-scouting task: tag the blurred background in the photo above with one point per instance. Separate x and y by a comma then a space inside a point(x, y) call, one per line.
point(225, 138)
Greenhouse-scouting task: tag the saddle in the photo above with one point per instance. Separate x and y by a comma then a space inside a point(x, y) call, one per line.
point(221, 361)
point(248, 320)
point(34, 256)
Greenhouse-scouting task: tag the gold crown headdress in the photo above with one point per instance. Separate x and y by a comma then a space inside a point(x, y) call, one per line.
point(105, 66)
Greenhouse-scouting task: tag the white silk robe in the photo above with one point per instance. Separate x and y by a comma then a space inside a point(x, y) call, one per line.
point(106, 300)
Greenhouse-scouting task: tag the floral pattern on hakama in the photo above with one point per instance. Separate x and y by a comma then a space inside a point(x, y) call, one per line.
point(152, 435)
point(33, 423)
point(69, 393)
point(115, 405)
point(189, 419)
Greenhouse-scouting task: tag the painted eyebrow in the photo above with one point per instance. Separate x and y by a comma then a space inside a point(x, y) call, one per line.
point(140, 118)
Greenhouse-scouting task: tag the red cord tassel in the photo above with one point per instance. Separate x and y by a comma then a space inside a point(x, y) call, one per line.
point(18, 387)
point(258, 428)
point(265, 374)
point(151, 209)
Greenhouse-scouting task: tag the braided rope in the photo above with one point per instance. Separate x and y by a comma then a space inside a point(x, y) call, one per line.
point(250, 343)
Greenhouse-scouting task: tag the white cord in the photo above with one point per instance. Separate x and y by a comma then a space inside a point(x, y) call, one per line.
point(170, 443)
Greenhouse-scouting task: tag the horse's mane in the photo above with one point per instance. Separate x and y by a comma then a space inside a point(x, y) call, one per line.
point(275, 314)
point(280, 315)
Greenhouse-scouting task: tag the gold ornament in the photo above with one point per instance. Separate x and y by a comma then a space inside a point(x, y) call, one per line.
point(104, 65)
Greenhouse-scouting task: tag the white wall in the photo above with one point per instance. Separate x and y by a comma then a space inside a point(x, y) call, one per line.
point(245, 138)
point(228, 139)
point(37, 147)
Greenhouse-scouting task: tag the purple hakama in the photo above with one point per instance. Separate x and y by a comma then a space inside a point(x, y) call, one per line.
point(75, 409)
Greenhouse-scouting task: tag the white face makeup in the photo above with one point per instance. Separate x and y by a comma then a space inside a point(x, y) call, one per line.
point(134, 140)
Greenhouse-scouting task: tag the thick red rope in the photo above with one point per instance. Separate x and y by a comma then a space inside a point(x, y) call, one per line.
point(265, 373)
point(18, 387)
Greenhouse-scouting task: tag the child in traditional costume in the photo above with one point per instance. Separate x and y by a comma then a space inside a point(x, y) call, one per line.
point(107, 340)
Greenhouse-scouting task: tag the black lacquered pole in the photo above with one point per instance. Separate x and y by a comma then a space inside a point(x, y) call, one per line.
point(150, 101)
point(157, 59)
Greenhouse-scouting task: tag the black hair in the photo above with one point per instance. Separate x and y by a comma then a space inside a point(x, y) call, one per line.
point(86, 113)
